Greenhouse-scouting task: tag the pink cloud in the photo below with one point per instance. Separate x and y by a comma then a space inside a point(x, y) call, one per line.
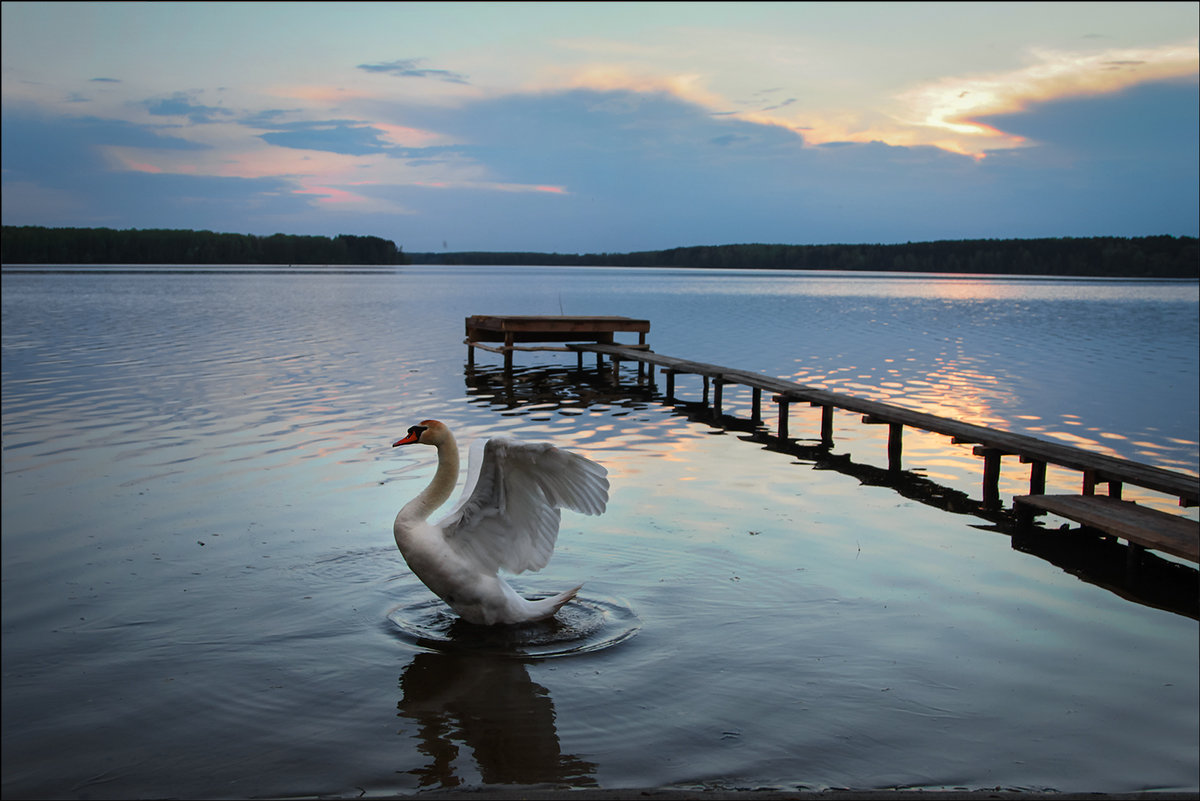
point(330, 195)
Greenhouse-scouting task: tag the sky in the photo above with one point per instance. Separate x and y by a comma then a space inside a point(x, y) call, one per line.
point(605, 127)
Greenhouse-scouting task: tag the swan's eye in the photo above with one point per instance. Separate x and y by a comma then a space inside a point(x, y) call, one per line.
point(416, 431)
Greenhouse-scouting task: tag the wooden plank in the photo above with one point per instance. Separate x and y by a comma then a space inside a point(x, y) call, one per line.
point(1150, 528)
point(508, 322)
point(493, 328)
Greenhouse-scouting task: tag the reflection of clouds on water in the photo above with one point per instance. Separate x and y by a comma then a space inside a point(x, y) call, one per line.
point(490, 706)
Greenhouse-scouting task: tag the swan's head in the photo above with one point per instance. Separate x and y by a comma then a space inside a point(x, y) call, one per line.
point(427, 432)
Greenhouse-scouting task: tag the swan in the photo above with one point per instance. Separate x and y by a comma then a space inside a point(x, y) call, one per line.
point(507, 518)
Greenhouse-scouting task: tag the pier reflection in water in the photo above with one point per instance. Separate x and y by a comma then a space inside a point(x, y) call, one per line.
point(1144, 577)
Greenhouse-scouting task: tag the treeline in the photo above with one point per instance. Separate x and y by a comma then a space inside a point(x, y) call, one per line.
point(1138, 257)
point(37, 245)
point(1142, 257)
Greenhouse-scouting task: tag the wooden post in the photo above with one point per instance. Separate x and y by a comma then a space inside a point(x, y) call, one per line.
point(895, 440)
point(756, 405)
point(991, 476)
point(705, 390)
point(508, 352)
point(1037, 477)
point(1114, 489)
point(783, 417)
point(649, 367)
point(895, 446)
point(470, 355)
point(718, 386)
point(826, 425)
point(1089, 482)
point(670, 384)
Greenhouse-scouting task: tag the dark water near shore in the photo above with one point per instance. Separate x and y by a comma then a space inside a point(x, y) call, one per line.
point(201, 597)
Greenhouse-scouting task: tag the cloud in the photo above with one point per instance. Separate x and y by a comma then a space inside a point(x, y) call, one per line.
point(105, 80)
point(180, 104)
point(410, 68)
point(778, 106)
point(952, 109)
point(37, 145)
point(583, 169)
point(729, 139)
point(652, 170)
point(346, 137)
point(266, 118)
point(149, 200)
point(1146, 125)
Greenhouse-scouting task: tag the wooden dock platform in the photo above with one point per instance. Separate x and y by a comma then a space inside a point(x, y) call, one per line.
point(1141, 526)
point(512, 329)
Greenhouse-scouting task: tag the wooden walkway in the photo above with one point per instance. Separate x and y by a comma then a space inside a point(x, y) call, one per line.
point(1146, 527)
point(1141, 526)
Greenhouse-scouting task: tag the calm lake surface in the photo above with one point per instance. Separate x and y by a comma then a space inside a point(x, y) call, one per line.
point(202, 599)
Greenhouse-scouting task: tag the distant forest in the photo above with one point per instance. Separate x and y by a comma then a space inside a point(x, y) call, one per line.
point(1141, 257)
point(1138, 257)
point(36, 245)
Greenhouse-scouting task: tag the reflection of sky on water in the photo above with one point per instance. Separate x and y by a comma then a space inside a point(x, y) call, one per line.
point(198, 489)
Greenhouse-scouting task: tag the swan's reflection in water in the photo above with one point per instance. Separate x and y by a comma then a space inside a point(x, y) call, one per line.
point(489, 705)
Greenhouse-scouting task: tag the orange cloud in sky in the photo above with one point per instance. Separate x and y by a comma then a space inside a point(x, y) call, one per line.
point(687, 87)
point(952, 105)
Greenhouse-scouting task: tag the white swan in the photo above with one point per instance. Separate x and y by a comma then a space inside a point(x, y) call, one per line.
point(507, 518)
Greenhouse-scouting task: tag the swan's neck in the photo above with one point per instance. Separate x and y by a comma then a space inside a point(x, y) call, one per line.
point(444, 479)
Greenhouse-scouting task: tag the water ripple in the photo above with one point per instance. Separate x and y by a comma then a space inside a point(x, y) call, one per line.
point(585, 625)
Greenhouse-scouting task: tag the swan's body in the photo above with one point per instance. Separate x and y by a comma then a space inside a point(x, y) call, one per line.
point(507, 518)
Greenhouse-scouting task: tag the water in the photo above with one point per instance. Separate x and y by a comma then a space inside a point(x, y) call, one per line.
point(201, 597)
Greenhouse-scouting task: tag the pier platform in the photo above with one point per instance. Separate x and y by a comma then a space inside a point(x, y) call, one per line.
point(516, 332)
point(1140, 526)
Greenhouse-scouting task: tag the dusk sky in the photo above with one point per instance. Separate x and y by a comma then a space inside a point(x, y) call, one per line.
point(605, 127)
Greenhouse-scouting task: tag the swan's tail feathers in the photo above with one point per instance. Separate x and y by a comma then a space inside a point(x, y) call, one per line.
point(548, 607)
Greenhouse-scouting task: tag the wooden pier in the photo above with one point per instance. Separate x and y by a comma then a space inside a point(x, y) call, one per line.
point(1139, 525)
point(511, 330)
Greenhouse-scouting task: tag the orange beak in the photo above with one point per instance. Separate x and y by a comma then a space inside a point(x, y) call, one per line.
point(412, 437)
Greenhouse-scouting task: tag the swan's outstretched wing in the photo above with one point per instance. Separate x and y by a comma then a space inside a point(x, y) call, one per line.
point(509, 511)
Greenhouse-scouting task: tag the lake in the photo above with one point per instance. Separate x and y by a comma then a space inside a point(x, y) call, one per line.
point(202, 598)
